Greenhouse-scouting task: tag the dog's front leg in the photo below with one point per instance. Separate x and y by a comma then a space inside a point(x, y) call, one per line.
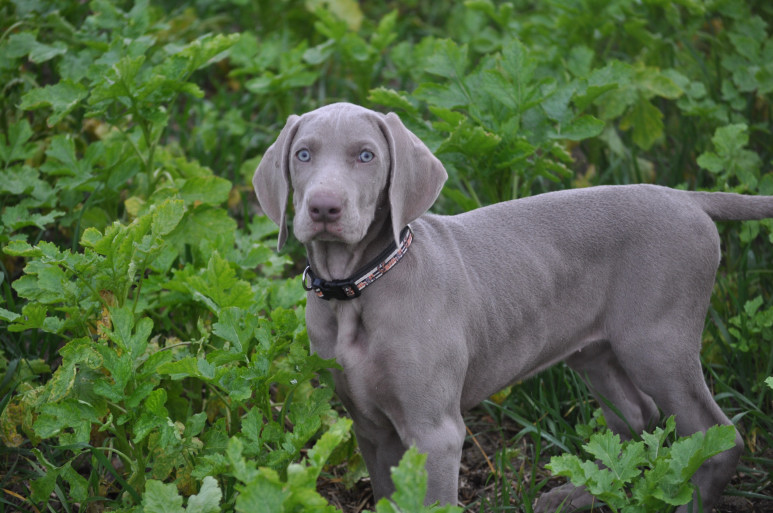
point(381, 452)
point(440, 441)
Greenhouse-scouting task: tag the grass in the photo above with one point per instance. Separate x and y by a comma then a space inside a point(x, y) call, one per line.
point(128, 137)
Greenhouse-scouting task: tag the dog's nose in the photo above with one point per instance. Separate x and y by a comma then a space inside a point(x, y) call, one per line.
point(325, 208)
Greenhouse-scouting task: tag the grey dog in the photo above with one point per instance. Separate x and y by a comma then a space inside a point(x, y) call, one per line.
point(615, 281)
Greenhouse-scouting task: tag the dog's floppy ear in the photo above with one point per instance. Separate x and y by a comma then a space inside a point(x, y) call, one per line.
point(416, 175)
point(272, 178)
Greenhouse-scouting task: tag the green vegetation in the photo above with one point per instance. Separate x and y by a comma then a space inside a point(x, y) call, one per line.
point(153, 355)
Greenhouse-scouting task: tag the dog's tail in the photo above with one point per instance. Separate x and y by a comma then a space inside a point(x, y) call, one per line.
point(726, 206)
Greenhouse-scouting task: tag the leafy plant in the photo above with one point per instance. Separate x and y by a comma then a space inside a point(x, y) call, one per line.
point(148, 325)
point(646, 475)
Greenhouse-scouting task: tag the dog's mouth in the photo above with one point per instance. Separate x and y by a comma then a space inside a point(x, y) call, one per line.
point(327, 232)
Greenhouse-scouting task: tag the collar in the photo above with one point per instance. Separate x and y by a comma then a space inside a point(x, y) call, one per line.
point(351, 287)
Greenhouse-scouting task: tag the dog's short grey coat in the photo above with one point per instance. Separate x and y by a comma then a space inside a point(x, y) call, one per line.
point(615, 281)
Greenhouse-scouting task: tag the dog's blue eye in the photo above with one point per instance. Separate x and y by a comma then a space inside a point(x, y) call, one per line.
point(366, 156)
point(303, 155)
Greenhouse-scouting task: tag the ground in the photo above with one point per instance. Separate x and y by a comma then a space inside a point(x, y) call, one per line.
point(480, 491)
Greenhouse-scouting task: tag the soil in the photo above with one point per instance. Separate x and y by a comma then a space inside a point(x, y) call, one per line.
point(479, 490)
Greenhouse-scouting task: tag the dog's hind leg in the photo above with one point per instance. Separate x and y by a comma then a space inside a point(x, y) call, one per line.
point(673, 377)
point(627, 410)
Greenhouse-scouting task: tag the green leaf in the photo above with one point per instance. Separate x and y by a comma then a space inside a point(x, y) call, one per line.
point(15, 147)
point(688, 454)
point(20, 180)
point(581, 128)
point(167, 216)
point(210, 190)
point(410, 480)
point(392, 99)
point(447, 59)
point(43, 487)
point(236, 326)
point(469, 140)
point(161, 498)
point(646, 120)
point(8, 316)
point(79, 486)
point(62, 98)
point(769, 382)
point(120, 80)
point(25, 43)
point(731, 138)
point(128, 335)
point(182, 368)
point(18, 216)
point(331, 439)
point(208, 498)
point(711, 161)
point(571, 466)
point(265, 494)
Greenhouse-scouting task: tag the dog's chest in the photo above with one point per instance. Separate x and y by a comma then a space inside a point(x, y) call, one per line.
point(338, 330)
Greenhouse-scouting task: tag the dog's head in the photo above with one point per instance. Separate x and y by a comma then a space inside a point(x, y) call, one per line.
point(341, 161)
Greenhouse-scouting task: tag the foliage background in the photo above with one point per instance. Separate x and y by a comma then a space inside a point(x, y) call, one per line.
point(152, 350)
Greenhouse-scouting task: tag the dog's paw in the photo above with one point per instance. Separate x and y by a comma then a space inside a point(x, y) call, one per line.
point(564, 498)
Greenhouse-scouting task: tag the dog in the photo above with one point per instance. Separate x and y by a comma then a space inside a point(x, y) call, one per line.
point(613, 280)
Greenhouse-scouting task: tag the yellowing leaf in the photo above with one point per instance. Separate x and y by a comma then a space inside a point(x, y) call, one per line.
point(346, 10)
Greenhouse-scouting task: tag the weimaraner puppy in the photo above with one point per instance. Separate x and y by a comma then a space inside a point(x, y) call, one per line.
point(614, 280)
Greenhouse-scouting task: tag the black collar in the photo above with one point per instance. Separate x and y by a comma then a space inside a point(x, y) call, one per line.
point(351, 287)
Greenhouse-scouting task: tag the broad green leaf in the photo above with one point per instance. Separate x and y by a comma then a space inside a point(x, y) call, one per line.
point(18, 216)
point(391, 98)
point(731, 138)
point(410, 481)
point(241, 469)
point(447, 95)
point(470, 140)
point(33, 315)
point(622, 461)
point(655, 83)
point(210, 190)
point(581, 128)
point(518, 64)
point(180, 369)
point(161, 498)
point(769, 382)
point(8, 316)
point(120, 80)
point(688, 454)
point(131, 336)
point(20, 180)
point(569, 465)
point(16, 147)
point(208, 498)
point(646, 122)
point(236, 326)
point(711, 161)
point(62, 98)
point(556, 104)
point(70, 419)
point(25, 43)
point(43, 487)
point(448, 59)
point(346, 10)
point(167, 216)
point(265, 494)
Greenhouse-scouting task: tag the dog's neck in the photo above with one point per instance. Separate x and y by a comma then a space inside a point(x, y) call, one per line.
point(332, 260)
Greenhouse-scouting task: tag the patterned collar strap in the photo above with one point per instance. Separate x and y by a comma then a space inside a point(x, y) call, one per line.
point(352, 287)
